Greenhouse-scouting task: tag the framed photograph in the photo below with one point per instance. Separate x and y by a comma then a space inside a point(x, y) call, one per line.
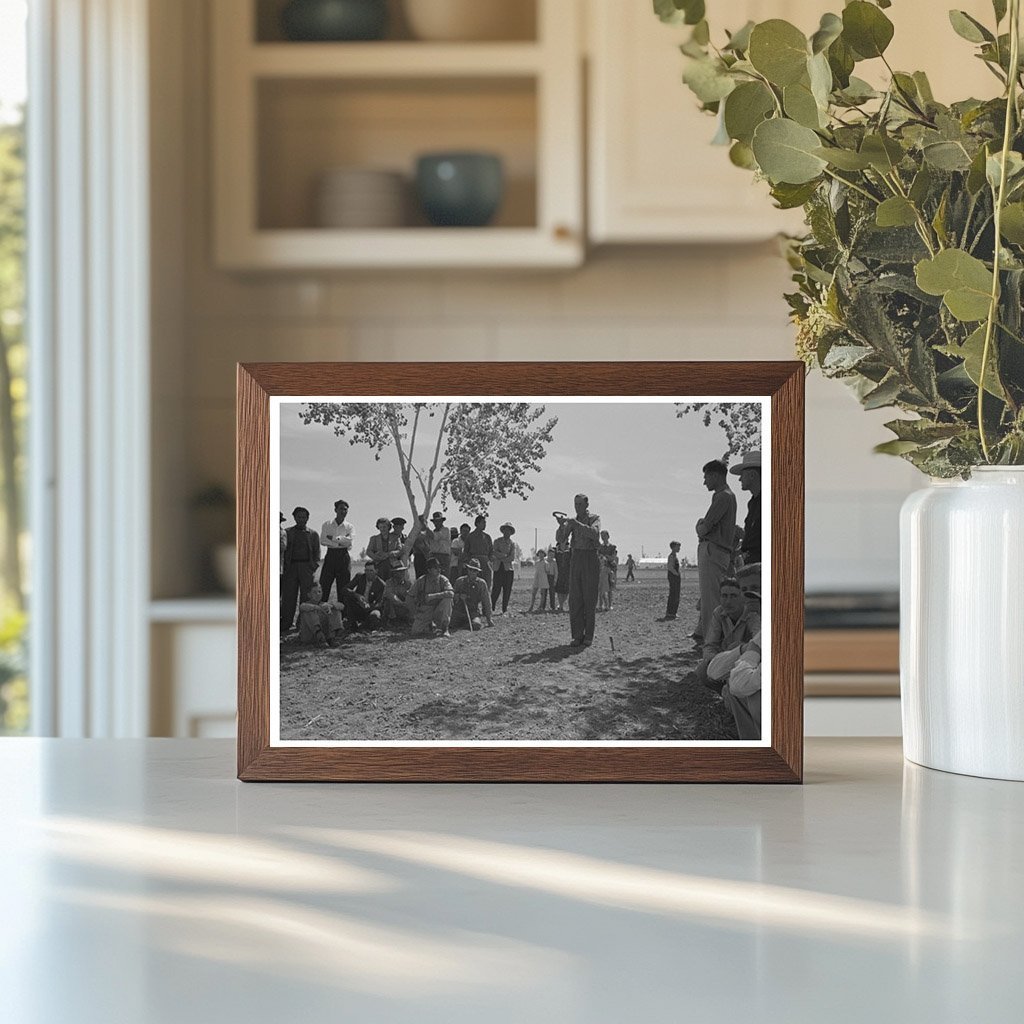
point(520, 572)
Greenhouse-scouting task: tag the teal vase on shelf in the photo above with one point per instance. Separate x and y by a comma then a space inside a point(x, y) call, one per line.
point(332, 21)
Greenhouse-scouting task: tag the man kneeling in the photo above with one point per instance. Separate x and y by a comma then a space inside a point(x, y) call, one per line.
point(320, 621)
point(472, 598)
point(364, 599)
point(430, 601)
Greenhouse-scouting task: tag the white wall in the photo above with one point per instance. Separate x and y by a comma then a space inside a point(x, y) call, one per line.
point(654, 303)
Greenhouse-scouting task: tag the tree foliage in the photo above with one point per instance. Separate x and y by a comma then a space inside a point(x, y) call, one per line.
point(466, 454)
point(739, 421)
point(910, 277)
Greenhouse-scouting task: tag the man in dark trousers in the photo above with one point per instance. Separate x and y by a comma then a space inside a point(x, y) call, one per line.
point(336, 536)
point(583, 533)
point(749, 472)
point(301, 560)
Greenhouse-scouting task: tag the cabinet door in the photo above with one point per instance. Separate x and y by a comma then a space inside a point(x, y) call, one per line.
point(653, 174)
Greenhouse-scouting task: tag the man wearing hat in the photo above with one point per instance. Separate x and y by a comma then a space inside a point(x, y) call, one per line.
point(734, 622)
point(749, 472)
point(503, 554)
point(471, 599)
point(430, 601)
point(583, 535)
point(301, 560)
point(336, 536)
point(479, 545)
point(716, 535)
point(440, 541)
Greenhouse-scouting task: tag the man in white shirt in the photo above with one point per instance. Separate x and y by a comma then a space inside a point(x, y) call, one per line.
point(336, 536)
point(440, 541)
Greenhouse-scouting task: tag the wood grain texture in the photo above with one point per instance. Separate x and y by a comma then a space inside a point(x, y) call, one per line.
point(852, 650)
point(782, 762)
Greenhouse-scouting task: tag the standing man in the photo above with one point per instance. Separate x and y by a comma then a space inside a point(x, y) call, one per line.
point(715, 542)
point(503, 553)
point(430, 601)
point(583, 533)
point(440, 546)
point(675, 578)
point(336, 536)
point(749, 472)
point(480, 546)
point(301, 560)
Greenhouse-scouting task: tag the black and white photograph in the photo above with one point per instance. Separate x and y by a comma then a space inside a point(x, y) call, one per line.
point(520, 571)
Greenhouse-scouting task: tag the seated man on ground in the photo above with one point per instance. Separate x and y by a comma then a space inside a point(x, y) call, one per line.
point(430, 601)
point(739, 671)
point(319, 620)
point(732, 623)
point(364, 598)
point(394, 606)
point(472, 599)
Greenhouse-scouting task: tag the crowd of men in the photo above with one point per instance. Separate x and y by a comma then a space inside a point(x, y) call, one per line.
point(437, 578)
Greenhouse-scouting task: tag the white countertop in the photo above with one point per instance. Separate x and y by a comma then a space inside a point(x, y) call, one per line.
point(143, 884)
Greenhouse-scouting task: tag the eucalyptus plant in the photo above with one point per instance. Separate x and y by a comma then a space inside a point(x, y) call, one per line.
point(909, 279)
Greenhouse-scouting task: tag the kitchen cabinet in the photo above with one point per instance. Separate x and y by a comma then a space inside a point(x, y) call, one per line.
point(653, 175)
point(287, 113)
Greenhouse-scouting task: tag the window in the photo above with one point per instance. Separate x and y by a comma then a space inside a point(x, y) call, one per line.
point(14, 705)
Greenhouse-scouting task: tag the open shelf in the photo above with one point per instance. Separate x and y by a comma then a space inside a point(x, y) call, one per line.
point(287, 113)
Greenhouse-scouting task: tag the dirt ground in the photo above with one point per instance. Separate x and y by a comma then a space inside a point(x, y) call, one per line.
point(519, 680)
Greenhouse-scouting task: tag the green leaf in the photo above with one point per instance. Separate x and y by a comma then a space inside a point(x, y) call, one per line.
point(971, 352)
point(742, 155)
point(844, 159)
point(895, 447)
point(829, 30)
point(778, 50)
point(947, 156)
point(896, 212)
point(707, 80)
point(800, 105)
point(789, 197)
point(745, 108)
point(841, 60)
point(676, 12)
point(785, 152)
point(963, 281)
point(883, 153)
point(968, 28)
point(866, 29)
point(739, 41)
point(820, 76)
point(1012, 223)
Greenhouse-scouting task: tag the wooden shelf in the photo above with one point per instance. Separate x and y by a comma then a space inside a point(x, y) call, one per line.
point(393, 60)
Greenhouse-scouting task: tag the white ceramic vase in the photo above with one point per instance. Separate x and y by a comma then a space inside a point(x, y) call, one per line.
point(962, 624)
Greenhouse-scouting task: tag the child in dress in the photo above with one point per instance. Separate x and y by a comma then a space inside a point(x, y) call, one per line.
point(540, 581)
point(551, 565)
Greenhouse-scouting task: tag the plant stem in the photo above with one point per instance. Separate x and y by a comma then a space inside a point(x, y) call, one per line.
point(993, 308)
point(855, 187)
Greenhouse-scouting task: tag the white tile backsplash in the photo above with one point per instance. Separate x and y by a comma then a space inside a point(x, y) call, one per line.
point(717, 302)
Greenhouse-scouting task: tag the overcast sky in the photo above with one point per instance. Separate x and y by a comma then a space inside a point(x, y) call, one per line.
point(638, 462)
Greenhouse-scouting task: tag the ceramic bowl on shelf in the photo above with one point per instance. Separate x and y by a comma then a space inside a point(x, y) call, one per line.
point(334, 21)
point(471, 20)
point(361, 198)
point(460, 189)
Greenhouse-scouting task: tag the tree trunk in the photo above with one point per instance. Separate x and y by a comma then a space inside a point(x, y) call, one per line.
point(11, 490)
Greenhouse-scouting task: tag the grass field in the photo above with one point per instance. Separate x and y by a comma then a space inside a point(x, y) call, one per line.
point(516, 681)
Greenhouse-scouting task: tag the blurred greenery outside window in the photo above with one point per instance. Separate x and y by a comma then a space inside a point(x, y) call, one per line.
point(14, 703)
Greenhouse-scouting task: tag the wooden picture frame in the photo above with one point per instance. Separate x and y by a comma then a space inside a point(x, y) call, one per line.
point(780, 759)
